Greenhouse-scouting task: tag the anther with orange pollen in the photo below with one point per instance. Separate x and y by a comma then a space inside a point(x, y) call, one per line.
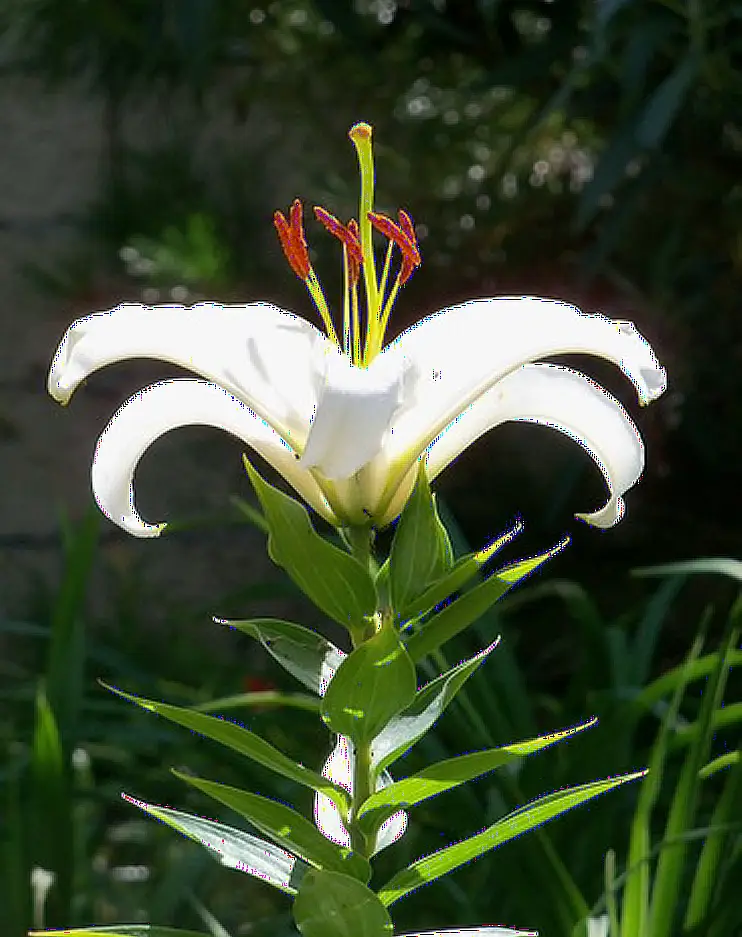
point(358, 259)
point(294, 245)
point(293, 242)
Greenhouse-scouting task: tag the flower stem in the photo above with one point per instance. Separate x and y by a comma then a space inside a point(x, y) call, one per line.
point(361, 792)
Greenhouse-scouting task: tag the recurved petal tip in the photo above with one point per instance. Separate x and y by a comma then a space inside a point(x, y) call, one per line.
point(607, 516)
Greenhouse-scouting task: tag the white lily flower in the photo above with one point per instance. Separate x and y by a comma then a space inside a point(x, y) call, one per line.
point(346, 425)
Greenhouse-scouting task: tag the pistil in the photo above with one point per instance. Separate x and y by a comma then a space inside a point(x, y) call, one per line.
point(360, 134)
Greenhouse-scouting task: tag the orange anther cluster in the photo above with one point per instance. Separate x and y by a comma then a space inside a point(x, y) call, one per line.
point(349, 236)
point(293, 242)
point(403, 235)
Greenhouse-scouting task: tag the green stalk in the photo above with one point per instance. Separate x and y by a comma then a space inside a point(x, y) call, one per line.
point(361, 792)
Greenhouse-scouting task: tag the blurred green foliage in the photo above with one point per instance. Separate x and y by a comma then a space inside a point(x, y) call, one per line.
point(661, 857)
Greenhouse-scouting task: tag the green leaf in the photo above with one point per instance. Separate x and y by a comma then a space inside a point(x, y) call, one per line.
point(668, 878)
point(65, 664)
point(372, 685)
point(119, 930)
point(330, 904)
point(334, 580)
point(236, 849)
point(664, 104)
point(421, 551)
point(305, 654)
point(285, 827)
point(245, 742)
point(445, 775)
point(718, 565)
point(465, 610)
point(431, 867)
point(635, 901)
point(53, 845)
point(706, 875)
point(429, 703)
point(462, 571)
point(261, 699)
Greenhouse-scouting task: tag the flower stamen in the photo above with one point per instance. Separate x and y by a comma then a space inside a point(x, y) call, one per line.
point(348, 235)
point(294, 246)
point(401, 235)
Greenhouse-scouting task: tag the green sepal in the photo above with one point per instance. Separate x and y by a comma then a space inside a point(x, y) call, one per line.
point(371, 686)
point(432, 867)
point(285, 826)
point(465, 610)
point(305, 654)
point(246, 743)
point(445, 775)
point(421, 551)
point(236, 849)
point(330, 904)
point(334, 580)
point(462, 572)
point(429, 703)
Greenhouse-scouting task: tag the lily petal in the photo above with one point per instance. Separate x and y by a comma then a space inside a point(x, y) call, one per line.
point(258, 352)
point(566, 401)
point(339, 768)
point(354, 409)
point(459, 353)
point(169, 405)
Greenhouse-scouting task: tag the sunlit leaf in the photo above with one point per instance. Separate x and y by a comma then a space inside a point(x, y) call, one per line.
point(445, 775)
point(285, 827)
point(333, 579)
point(305, 654)
point(432, 867)
point(429, 703)
point(235, 849)
point(372, 685)
point(330, 904)
point(245, 742)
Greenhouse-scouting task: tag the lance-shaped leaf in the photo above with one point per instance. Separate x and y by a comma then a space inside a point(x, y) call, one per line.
point(476, 932)
point(445, 775)
point(305, 654)
point(457, 616)
point(119, 930)
point(330, 904)
point(431, 867)
point(334, 580)
point(372, 685)
point(236, 849)
point(463, 570)
point(245, 742)
point(429, 703)
point(285, 827)
point(421, 551)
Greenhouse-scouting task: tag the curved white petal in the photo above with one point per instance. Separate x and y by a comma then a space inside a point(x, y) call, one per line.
point(459, 353)
point(258, 352)
point(566, 401)
point(339, 768)
point(354, 410)
point(169, 405)
point(476, 932)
